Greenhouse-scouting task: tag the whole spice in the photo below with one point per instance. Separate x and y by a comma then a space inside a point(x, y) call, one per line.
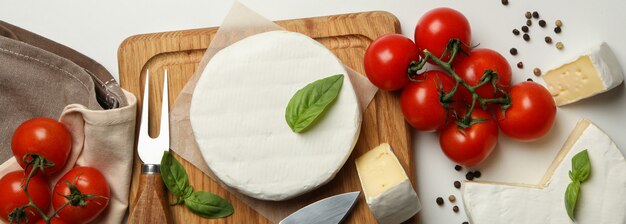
point(529, 22)
point(505, 2)
point(535, 15)
point(465, 223)
point(452, 198)
point(439, 201)
point(513, 51)
point(457, 184)
point(529, 79)
point(528, 15)
point(537, 71)
point(548, 39)
point(469, 176)
point(542, 23)
point(520, 65)
point(526, 37)
point(477, 174)
point(515, 32)
point(557, 29)
point(455, 209)
point(558, 23)
point(559, 45)
point(525, 29)
point(458, 167)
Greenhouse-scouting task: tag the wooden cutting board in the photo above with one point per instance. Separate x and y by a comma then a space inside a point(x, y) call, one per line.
point(345, 35)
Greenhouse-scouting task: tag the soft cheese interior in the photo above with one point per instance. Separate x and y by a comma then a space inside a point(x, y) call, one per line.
point(602, 199)
point(238, 116)
point(388, 190)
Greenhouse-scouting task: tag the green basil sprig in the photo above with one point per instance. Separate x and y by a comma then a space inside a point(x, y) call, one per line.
point(205, 204)
point(581, 168)
point(310, 102)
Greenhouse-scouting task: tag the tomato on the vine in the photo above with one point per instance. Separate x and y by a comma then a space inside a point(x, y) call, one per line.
point(472, 67)
point(387, 60)
point(532, 112)
point(437, 26)
point(12, 196)
point(420, 102)
point(93, 195)
point(470, 146)
point(54, 220)
point(45, 137)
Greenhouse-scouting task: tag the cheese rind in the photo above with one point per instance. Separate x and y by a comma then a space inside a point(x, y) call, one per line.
point(601, 200)
point(388, 190)
point(237, 116)
point(594, 72)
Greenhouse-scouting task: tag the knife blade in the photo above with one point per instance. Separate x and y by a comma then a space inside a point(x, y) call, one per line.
point(330, 210)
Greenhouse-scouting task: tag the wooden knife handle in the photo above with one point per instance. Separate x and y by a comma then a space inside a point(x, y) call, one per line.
point(152, 205)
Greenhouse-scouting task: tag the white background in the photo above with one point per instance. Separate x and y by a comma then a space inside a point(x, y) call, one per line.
point(96, 28)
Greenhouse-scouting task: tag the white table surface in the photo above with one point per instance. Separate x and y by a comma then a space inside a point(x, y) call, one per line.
point(96, 28)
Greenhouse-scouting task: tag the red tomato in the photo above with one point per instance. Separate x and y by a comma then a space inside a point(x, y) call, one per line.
point(470, 146)
point(52, 221)
point(12, 195)
point(531, 115)
point(437, 26)
point(420, 101)
point(387, 61)
point(86, 180)
point(45, 137)
point(471, 69)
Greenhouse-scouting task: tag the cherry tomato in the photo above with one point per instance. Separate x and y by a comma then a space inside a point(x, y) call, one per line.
point(470, 146)
point(12, 195)
point(88, 181)
point(420, 101)
point(437, 26)
point(45, 137)
point(52, 221)
point(387, 60)
point(471, 69)
point(532, 112)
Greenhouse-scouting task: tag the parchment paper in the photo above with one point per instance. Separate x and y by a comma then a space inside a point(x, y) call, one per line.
point(240, 23)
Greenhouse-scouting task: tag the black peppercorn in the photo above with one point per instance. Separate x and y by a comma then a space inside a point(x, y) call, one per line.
point(526, 37)
point(529, 22)
point(520, 65)
point(516, 32)
point(529, 79)
point(465, 223)
point(477, 174)
point(557, 29)
point(525, 29)
point(535, 15)
point(548, 39)
point(542, 23)
point(457, 184)
point(469, 176)
point(513, 51)
point(439, 201)
point(458, 168)
point(455, 208)
point(528, 15)
point(505, 2)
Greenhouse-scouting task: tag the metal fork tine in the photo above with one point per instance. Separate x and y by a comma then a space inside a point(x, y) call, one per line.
point(164, 133)
point(143, 128)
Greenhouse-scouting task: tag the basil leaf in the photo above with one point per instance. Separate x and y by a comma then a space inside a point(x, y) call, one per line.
point(581, 166)
point(571, 196)
point(310, 102)
point(174, 176)
point(208, 205)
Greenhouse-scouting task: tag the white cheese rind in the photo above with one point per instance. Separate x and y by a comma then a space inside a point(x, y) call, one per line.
point(593, 72)
point(602, 199)
point(238, 116)
point(395, 205)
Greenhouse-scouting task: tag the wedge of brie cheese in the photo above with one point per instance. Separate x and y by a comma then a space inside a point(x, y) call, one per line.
point(594, 72)
point(238, 116)
point(388, 191)
point(602, 199)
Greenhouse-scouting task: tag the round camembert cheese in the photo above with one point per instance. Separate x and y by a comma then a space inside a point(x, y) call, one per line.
point(238, 116)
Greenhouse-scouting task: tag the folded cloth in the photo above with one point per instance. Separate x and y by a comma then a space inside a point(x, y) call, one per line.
point(41, 78)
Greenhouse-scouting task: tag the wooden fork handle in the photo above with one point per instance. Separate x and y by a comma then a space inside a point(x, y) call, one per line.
point(152, 205)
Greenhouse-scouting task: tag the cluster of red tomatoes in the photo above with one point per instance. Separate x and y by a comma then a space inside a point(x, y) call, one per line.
point(467, 97)
point(42, 147)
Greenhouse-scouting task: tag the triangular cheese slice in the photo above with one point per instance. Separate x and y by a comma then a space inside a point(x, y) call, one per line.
point(602, 199)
